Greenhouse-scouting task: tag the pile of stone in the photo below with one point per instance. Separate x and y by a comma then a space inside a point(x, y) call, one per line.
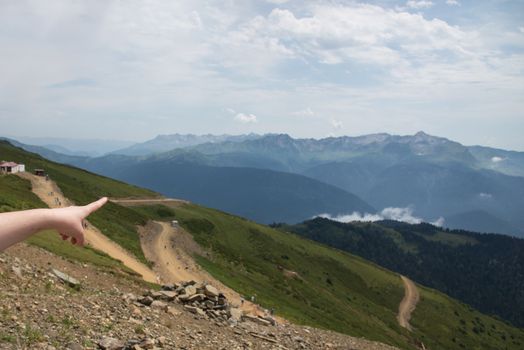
point(201, 299)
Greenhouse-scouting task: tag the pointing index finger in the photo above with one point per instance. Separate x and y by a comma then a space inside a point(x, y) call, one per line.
point(94, 206)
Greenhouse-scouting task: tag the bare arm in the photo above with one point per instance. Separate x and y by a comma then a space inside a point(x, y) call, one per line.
point(19, 225)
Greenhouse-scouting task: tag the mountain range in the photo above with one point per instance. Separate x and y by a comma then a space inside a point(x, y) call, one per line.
point(465, 187)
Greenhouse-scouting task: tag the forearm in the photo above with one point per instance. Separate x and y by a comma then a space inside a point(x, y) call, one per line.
point(17, 226)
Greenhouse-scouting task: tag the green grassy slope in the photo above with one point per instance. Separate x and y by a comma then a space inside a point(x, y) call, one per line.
point(115, 221)
point(333, 289)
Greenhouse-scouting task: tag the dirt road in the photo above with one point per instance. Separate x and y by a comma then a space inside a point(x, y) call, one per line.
point(171, 248)
point(50, 193)
point(147, 201)
point(408, 303)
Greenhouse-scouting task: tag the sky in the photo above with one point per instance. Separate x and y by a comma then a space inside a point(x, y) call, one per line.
point(130, 70)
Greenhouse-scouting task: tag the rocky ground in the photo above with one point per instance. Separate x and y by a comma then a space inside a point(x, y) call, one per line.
point(108, 311)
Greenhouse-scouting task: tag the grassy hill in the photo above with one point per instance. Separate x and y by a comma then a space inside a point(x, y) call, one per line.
point(331, 289)
point(302, 280)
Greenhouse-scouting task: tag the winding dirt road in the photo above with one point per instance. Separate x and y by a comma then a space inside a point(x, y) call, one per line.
point(408, 303)
point(49, 192)
point(171, 249)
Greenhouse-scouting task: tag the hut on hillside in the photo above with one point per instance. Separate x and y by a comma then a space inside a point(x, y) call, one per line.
point(11, 167)
point(39, 172)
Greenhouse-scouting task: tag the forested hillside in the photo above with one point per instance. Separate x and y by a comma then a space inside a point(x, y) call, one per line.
point(483, 270)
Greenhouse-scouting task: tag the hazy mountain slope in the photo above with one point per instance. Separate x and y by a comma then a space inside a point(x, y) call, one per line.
point(507, 162)
point(164, 143)
point(486, 271)
point(356, 176)
point(48, 153)
point(445, 189)
point(479, 221)
point(75, 146)
point(262, 195)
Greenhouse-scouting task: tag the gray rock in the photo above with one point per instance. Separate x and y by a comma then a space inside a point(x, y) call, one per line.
point(158, 304)
point(108, 343)
point(73, 282)
point(156, 295)
point(147, 343)
point(190, 290)
point(270, 320)
point(168, 295)
point(146, 300)
point(211, 291)
point(196, 297)
point(256, 319)
point(170, 287)
point(209, 304)
point(195, 310)
point(191, 309)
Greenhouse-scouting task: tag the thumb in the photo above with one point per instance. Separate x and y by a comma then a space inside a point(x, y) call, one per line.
point(94, 206)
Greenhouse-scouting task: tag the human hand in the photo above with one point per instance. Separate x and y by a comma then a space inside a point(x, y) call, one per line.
point(69, 221)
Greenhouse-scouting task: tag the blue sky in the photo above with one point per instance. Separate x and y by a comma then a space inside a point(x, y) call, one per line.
point(135, 69)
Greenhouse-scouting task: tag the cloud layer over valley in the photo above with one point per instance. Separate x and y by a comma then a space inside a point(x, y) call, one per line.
point(391, 213)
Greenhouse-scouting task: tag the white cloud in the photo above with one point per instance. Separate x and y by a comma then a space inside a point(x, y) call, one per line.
point(277, 2)
point(453, 2)
point(400, 214)
point(246, 118)
point(308, 112)
point(485, 195)
point(439, 222)
point(390, 213)
point(336, 124)
point(419, 4)
point(497, 159)
point(355, 216)
point(365, 34)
